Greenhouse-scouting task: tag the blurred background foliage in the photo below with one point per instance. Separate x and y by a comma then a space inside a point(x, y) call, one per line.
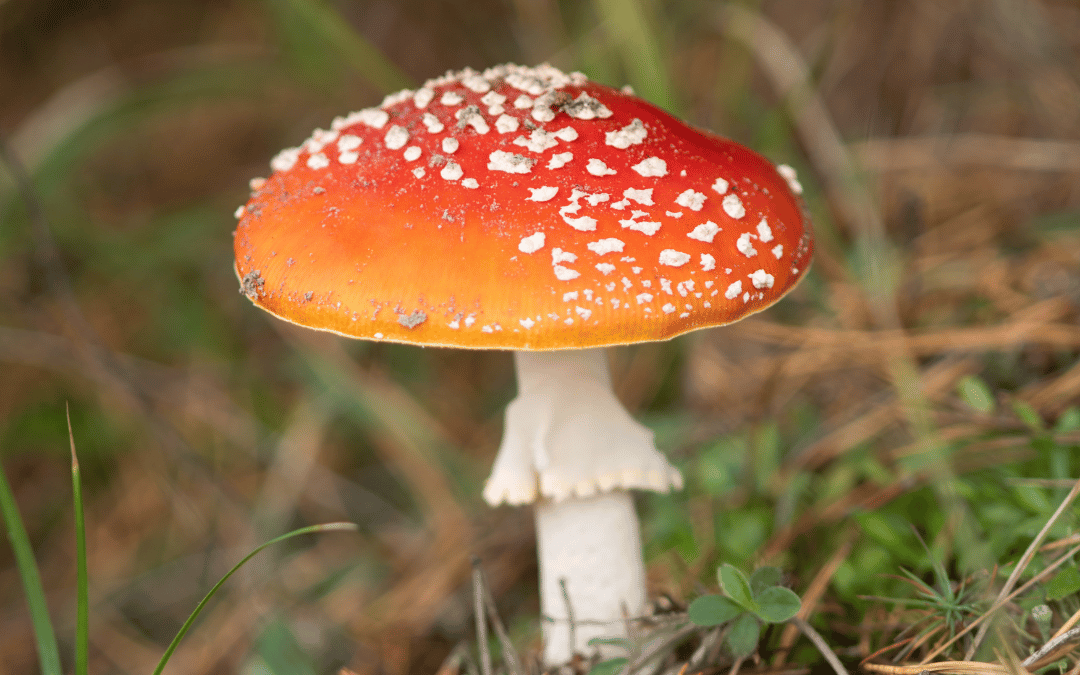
point(923, 383)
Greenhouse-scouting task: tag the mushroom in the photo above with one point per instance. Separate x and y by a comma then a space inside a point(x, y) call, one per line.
point(531, 210)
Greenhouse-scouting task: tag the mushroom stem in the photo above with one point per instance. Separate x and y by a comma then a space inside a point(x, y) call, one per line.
point(574, 450)
point(591, 572)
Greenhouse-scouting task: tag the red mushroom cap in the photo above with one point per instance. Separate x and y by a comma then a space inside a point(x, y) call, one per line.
point(519, 208)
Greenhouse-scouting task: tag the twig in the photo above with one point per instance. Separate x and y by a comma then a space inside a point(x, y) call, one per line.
point(1072, 621)
point(957, 667)
point(820, 643)
point(481, 622)
point(1042, 482)
point(451, 665)
point(1011, 659)
point(631, 630)
point(811, 597)
point(1025, 560)
point(700, 654)
point(921, 152)
point(736, 666)
point(790, 76)
point(655, 646)
point(1046, 323)
point(569, 613)
point(1062, 543)
point(1052, 646)
point(510, 655)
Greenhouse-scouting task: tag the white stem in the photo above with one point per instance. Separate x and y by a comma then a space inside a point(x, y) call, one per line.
point(571, 447)
point(567, 435)
point(591, 572)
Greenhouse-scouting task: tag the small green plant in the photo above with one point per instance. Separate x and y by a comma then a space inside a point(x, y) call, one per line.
point(944, 607)
point(746, 604)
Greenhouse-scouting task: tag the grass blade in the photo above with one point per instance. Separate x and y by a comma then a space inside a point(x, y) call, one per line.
point(82, 622)
point(321, 20)
point(327, 527)
point(639, 49)
point(48, 652)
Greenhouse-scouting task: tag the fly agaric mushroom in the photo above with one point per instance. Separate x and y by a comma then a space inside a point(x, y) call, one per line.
point(530, 210)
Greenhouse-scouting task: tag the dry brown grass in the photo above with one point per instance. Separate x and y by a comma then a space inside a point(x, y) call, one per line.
point(938, 141)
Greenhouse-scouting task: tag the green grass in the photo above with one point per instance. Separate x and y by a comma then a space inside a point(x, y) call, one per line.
point(909, 478)
point(82, 625)
point(34, 592)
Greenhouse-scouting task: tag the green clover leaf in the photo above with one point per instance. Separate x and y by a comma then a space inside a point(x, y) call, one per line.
point(737, 586)
point(713, 610)
point(777, 604)
point(743, 637)
point(764, 577)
